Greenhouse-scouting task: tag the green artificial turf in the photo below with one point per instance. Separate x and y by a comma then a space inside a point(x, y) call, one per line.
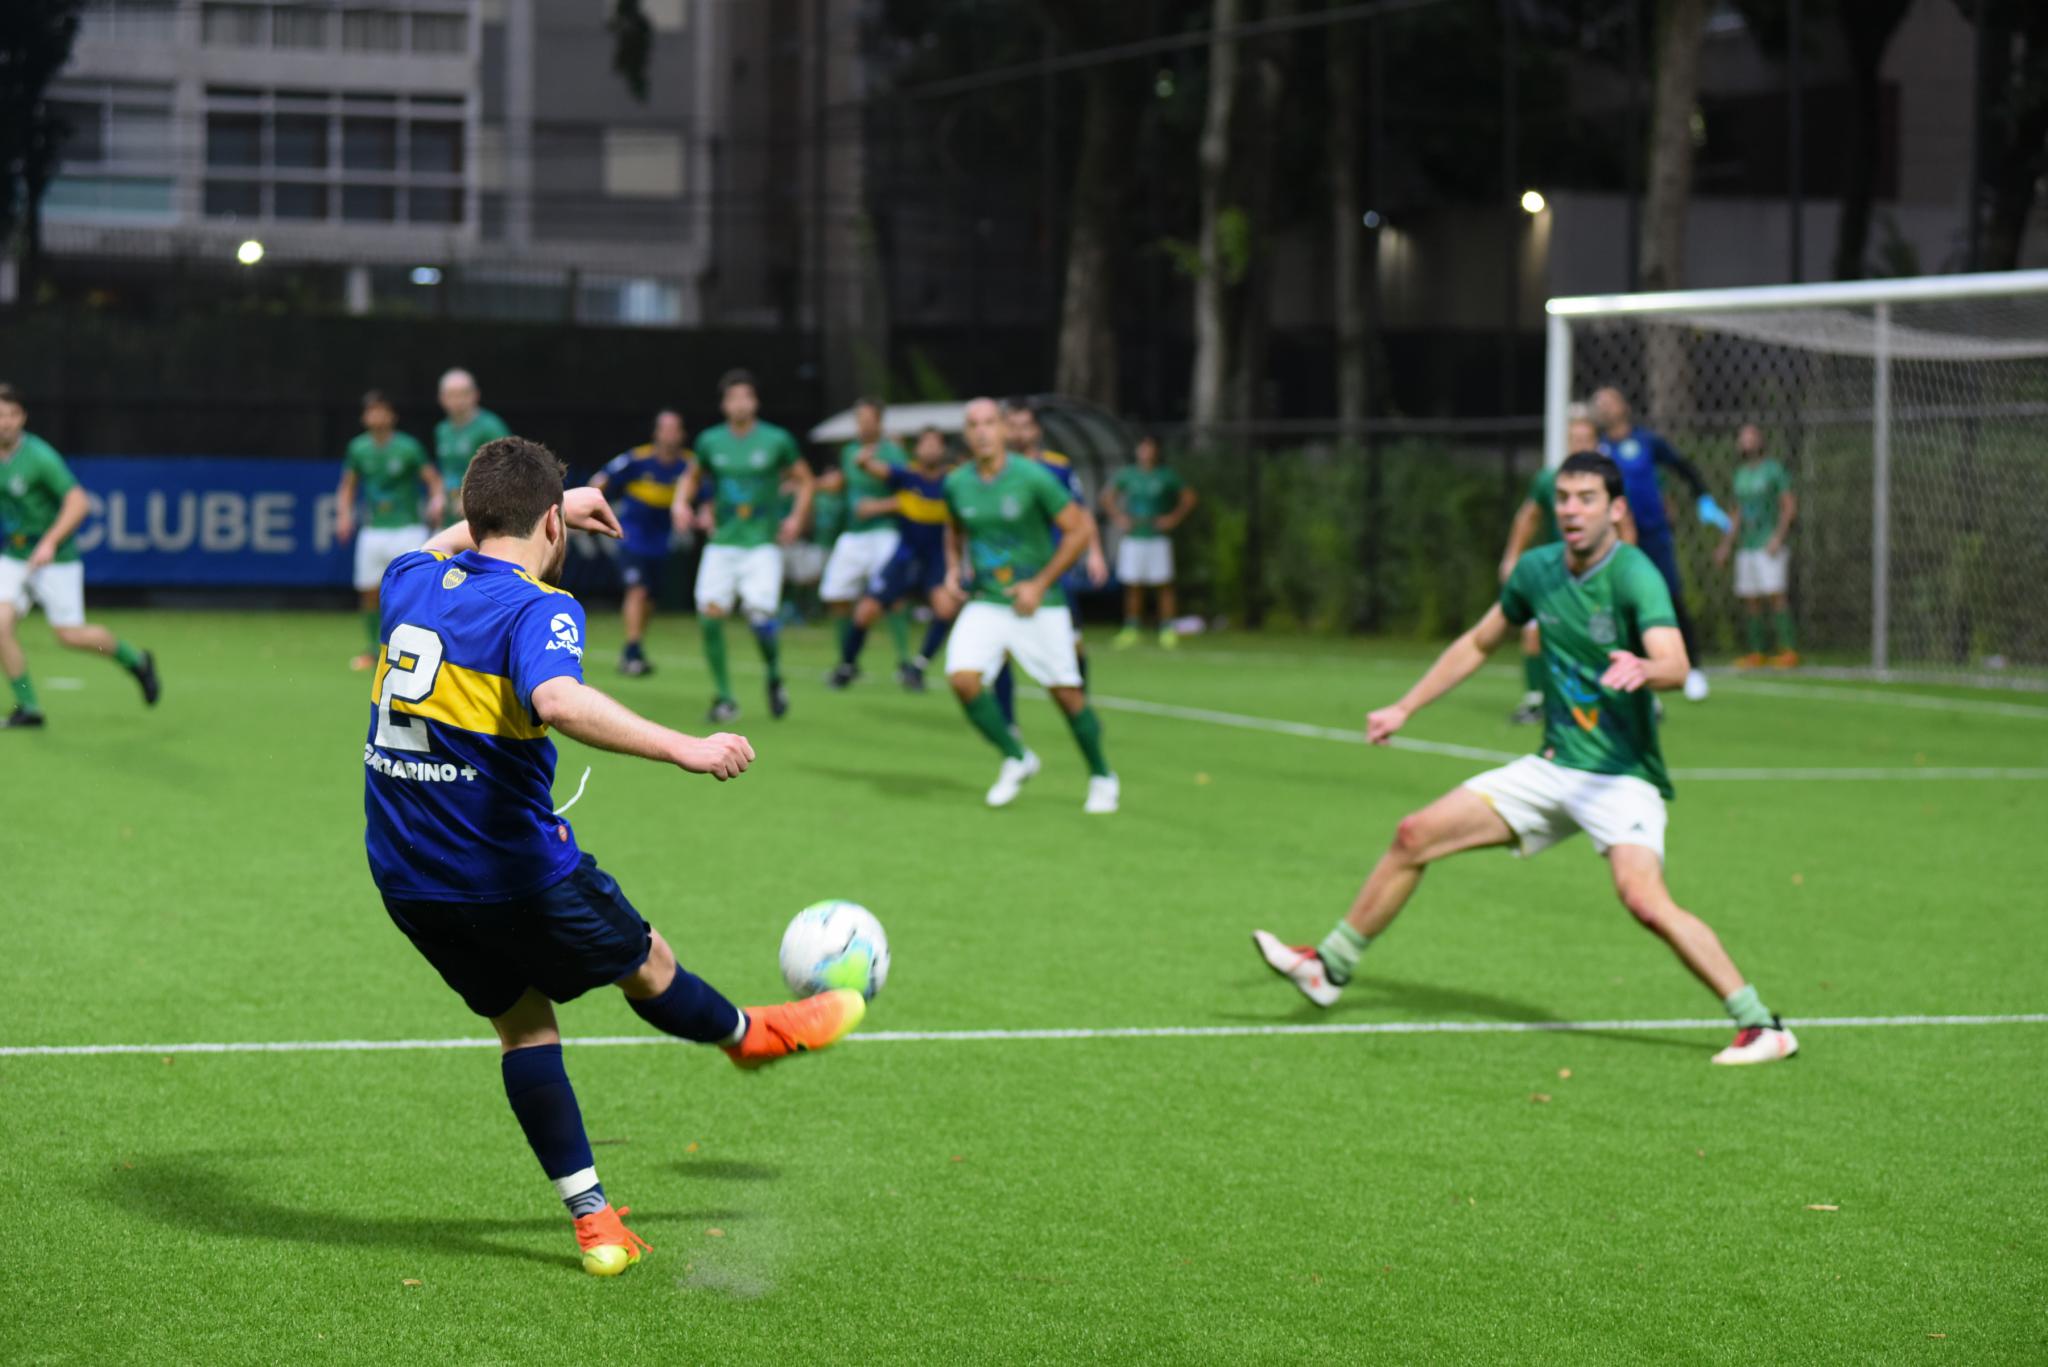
point(196, 874)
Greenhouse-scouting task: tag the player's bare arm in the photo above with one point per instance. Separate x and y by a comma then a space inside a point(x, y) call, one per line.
point(583, 510)
point(70, 517)
point(805, 485)
point(1788, 510)
point(584, 713)
point(1183, 506)
point(683, 512)
point(1075, 527)
point(437, 492)
point(1663, 665)
point(1114, 508)
point(1726, 545)
point(877, 507)
point(1460, 660)
point(870, 463)
point(345, 506)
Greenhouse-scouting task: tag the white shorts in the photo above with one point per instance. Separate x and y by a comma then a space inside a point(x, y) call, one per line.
point(58, 588)
point(1544, 802)
point(377, 547)
point(1759, 574)
point(857, 558)
point(1041, 644)
point(1145, 560)
point(750, 576)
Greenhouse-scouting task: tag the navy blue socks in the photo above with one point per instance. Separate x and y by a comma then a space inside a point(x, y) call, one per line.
point(692, 1009)
point(538, 1088)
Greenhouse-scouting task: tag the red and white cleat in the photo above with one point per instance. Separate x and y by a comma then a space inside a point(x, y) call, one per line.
point(1760, 1044)
point(1300, 965)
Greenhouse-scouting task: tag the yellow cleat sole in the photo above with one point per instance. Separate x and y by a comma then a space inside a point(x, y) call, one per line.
point(609, 1260)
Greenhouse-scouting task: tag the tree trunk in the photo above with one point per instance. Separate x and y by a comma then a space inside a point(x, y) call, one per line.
point(1343, 72)
point(1681, 24)
point(1211, 326)
point(2018, 157)
point(1087, 364)
point(1258, 160)
point(1867, 28)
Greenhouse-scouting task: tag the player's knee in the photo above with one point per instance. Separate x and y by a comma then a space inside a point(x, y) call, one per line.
point(712, 611)
point(966, 685)
point(1412, 837)
point(78, 638)
point(1070, 700)
point(1645, 901)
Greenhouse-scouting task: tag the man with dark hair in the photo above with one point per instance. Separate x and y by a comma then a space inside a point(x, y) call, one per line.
point(390, 470)
point(1609, 632)
point(917, 569)
point(1765, 507)
point(867, 540)
point(479, 655)
point(1026, 436)
point(42, 507)
point(1147, 501)
point(748, 461)
point(644, 481)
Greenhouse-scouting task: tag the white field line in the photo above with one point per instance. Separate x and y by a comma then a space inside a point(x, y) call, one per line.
point(1473, 752)
point(1926, 702)
point(374, 1046)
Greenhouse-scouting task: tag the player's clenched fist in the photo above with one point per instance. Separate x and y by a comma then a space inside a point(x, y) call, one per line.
point(722, 756)
point(585, 510)
point(1380, 726)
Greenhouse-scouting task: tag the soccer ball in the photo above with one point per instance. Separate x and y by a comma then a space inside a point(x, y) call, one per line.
point(835, 944)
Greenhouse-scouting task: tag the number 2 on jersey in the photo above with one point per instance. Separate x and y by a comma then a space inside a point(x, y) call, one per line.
point(415, 654)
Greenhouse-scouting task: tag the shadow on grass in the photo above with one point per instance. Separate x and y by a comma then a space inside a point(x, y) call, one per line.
point(900, 783)
point(190, 1193)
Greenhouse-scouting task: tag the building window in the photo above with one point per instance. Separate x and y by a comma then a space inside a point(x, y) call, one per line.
point(437, 148)
point(642, 163)
point(234, 25)
point(129, 21)
point(301, 201)
point(299, 28)
point(369, 144)
point(433, 205)
point(299, 142)
point(440, 34)
point(117, 139)
point(369, 203)
point(234, 140)
point(320, 156)
point(373, 31)
point(233, 199)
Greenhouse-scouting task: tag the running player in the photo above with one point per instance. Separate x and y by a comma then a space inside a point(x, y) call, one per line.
point(458, 436)
point(1004, 510)
point(917, 569)
point(867, 540)
point(481, 654)
point(1764, 509)
point(1147, 501)
point(1639, 451)
point(392, 474)
point(1609, 632)
point(645, 479)
point(41, 510)
point(1535, 524)
point(748, 461)
point(1027, 436)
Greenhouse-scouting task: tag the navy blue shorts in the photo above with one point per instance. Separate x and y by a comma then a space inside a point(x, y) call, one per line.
point(907, 574)
point(562, 941)
point(1664, 555)
point(639, 570)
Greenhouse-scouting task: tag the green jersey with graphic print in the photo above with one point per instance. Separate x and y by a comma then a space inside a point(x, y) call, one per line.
point(33, 482)
point(747, 473)
point(1759, 484)
point(1008, 523)
point(388, 480)
point(1583, 617)
point(455, 447)
point(1145, 496)
point(862, 485)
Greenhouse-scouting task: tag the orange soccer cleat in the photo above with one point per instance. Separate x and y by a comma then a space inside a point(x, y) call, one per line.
point(1753, 660)
point(1785, 659)
point(609, 1248)
point(775, 1032)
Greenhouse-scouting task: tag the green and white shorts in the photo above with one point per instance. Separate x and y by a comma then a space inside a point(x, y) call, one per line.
point(1543, 802)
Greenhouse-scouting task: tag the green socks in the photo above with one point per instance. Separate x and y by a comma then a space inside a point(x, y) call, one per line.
point(1087, 729)
point(988, 719)
point(373, 629)
point(1782, 621)
point(127, 656)
point(714, 655)
point(1754, 626)
point(899, 634)
point(1747, 1010)
point(1532, 673)
point(1340, 951)
point(25, 693)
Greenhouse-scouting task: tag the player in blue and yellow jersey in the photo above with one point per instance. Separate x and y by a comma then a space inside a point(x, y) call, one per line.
point(1027, 438)
point(1639, 453)
point(643, 481)
point(480, 656)
point(917, 569)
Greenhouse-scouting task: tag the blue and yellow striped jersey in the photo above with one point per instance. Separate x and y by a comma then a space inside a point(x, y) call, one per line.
point(458, 772)
point(642, 487)
point(921, 510)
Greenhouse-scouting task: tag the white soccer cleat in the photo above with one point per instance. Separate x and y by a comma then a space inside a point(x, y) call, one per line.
point(1300, 965)
point(1760, 1044)
point(1102, 795)
point(1011, 778)
point(1696, 686)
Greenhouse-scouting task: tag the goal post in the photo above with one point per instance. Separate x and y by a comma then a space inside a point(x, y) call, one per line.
point(1913, 418)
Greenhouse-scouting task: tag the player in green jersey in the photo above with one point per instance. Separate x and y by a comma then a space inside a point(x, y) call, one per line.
point(41, 509)
point(1001, 562)
point(1764, 509)
point(458, 436)
point(1535, 524)
point(749, 463)
point(391, 474)
point(1147, 501)
point(867, 539)
point(1609, 633)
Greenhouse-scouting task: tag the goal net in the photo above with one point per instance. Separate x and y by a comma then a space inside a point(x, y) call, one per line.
point(1913, 418)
